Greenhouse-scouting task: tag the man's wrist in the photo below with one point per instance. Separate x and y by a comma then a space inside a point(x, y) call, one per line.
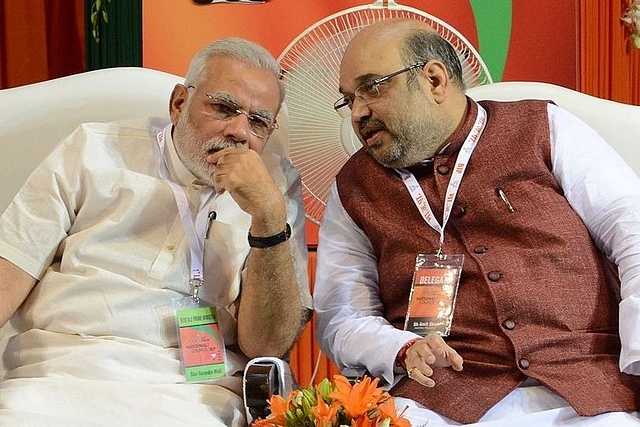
point(269, 241)
point(402, 354)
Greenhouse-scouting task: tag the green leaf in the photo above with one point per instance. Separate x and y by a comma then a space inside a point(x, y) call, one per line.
point(105, 16)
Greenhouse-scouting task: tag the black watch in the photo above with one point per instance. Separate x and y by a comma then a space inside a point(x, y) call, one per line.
point(267, 242)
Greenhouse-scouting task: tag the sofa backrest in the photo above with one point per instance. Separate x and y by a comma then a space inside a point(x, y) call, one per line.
point(617, 123)
point(36, 117)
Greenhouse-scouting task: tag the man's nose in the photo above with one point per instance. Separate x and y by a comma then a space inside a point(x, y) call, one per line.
point(359, 111)
point(237, 128)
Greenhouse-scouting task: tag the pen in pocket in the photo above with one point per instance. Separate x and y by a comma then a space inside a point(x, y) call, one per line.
point(506, 201)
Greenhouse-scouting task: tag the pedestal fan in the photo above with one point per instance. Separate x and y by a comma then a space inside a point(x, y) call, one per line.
point(320, 141)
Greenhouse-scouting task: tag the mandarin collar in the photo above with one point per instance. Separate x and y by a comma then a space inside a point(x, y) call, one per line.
point(457, 138)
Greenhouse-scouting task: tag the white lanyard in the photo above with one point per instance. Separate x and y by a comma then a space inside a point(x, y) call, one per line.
point(194, 230)
point(418, 196)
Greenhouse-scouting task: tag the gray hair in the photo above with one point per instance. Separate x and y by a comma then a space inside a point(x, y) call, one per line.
point(238, 48)
point(423, 46)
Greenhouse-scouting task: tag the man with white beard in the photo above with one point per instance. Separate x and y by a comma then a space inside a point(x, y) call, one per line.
point(144, 263)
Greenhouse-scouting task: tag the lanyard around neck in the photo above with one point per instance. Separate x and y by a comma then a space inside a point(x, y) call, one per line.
point(418, 196)
point(195, 231)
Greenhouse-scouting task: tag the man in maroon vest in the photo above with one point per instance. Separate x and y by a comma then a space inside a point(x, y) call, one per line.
point(521, 205)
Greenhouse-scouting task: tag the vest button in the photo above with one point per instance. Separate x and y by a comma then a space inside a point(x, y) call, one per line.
point(509, 324)
point(458, 211)
point(480, 249)
point(523, 363)
point(494, 275)
point(443, 169)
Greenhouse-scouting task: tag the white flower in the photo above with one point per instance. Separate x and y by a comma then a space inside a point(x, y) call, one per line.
point(632, 20)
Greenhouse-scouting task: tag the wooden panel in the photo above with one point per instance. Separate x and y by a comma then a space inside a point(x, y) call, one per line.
point(306, 354)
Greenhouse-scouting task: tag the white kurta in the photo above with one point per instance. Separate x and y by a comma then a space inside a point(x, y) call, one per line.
point(100, 229)
point(349, 311)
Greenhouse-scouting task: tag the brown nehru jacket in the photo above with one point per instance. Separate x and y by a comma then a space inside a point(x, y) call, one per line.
point(533, 301)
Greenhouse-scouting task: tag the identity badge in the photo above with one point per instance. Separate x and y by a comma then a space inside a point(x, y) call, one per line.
point(433, 294)
point(201, 345)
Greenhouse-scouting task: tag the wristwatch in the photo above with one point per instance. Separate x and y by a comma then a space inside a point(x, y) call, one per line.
point(267, 242)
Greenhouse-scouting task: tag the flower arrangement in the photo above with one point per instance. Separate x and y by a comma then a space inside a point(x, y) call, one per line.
point(632, 19)
point(362, 404)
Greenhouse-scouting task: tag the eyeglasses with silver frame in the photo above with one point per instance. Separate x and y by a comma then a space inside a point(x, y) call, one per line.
point(225, 110)
point(370, 90)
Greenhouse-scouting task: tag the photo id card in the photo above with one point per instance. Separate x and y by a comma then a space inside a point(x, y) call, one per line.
point(202, 348)
point(433, 294)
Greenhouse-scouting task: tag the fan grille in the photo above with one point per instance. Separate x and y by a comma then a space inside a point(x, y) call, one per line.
point(320, 141)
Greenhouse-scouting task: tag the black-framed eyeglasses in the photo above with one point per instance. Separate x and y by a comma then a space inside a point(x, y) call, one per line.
point(223, 109)
point(370, 90)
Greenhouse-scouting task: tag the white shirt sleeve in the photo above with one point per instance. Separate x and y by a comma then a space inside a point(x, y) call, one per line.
point(605, 193)
point(351, 328)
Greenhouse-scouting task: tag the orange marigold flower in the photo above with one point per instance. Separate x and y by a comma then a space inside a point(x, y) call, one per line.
point(278, 406)
point(387, 410)
point(358, 399)
point(325, 414)
point(364, 422)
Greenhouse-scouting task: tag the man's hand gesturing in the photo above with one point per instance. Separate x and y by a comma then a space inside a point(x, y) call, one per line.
point(429, 352)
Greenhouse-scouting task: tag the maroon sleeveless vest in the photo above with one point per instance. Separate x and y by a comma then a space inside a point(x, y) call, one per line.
point(534, 299)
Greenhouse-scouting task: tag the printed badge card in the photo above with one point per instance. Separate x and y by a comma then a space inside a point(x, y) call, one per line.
point(201, 344)
point(433, 294)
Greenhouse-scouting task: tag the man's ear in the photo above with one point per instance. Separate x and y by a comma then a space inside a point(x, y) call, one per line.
point(177, 102)
point(438, 80)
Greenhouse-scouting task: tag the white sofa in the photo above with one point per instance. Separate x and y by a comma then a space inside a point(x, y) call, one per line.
point(36, 117)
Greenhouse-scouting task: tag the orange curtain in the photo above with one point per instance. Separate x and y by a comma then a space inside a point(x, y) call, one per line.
point(609, 65)
point(305, 354)
point(40, 40)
